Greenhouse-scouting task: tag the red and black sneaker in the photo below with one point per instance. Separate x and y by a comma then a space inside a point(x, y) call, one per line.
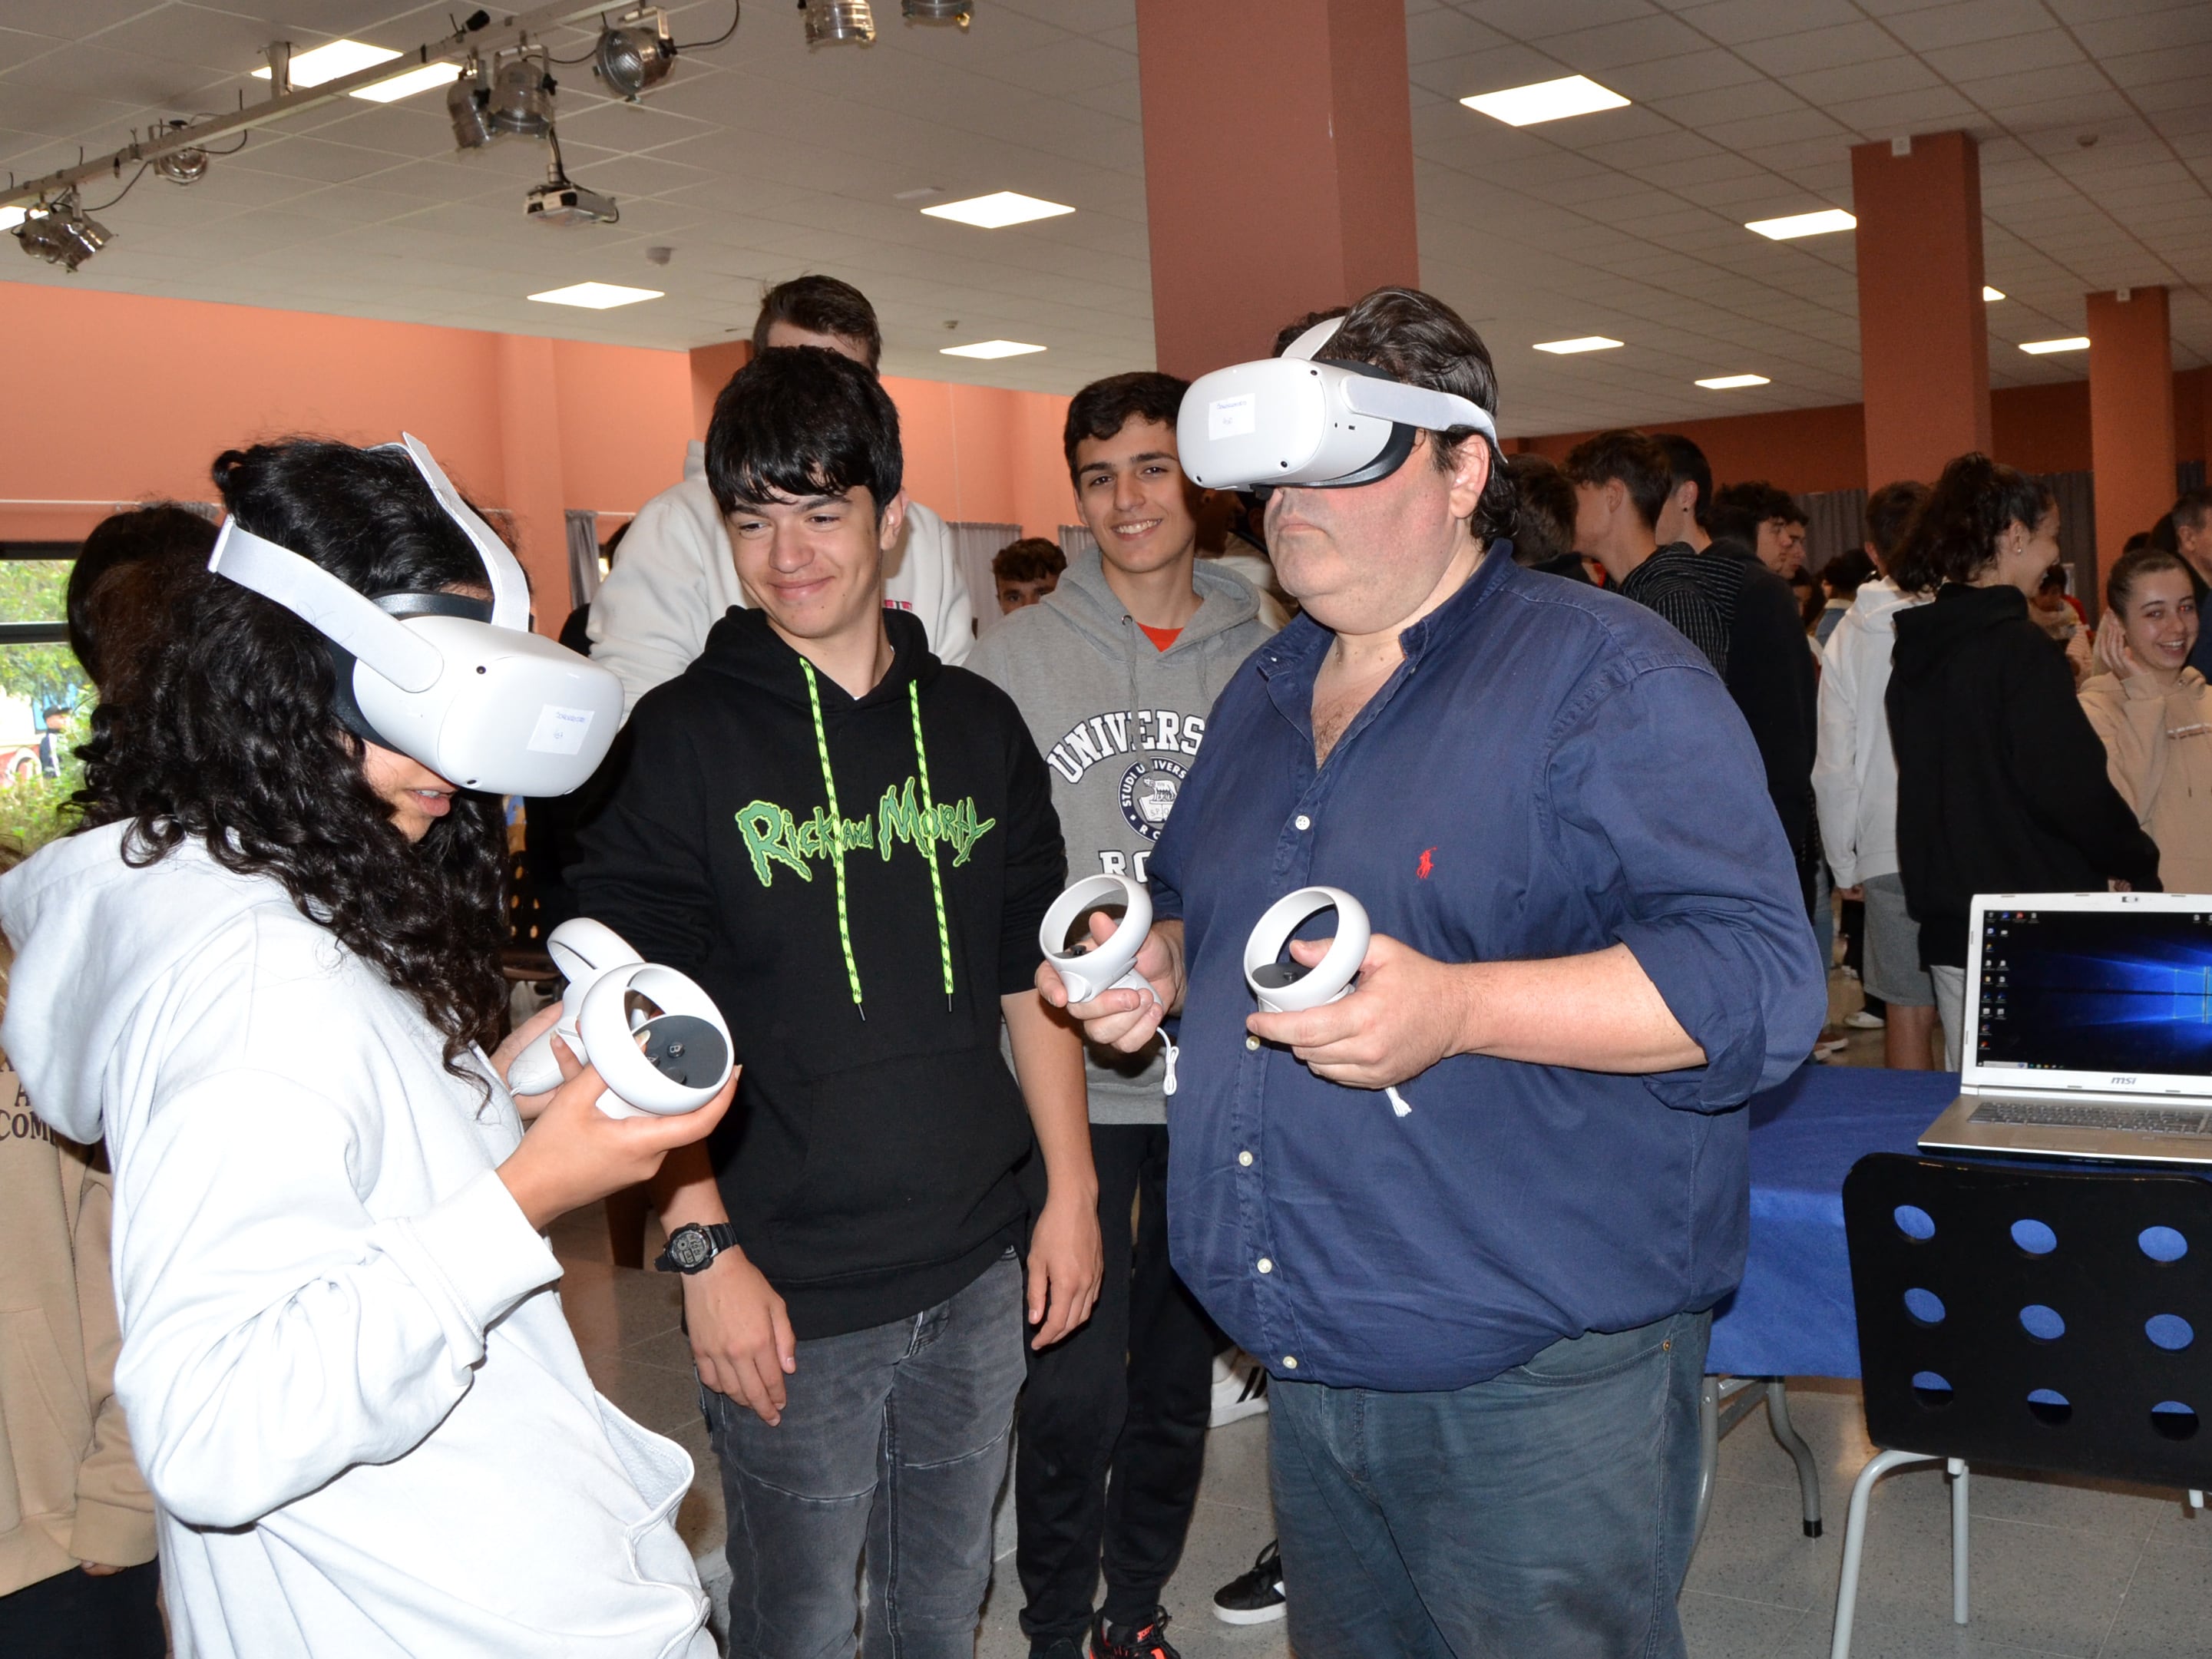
point(1147, 1641)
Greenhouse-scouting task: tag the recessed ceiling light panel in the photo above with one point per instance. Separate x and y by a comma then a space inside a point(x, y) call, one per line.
point(2044, 347)
point(1569, 348)
point(1546, 100)
point(1734, 382)
point(1795, 225)
point(990, 349)
point(998, 211)
point(312, 69)
point(1991, 296)
point(596, 297)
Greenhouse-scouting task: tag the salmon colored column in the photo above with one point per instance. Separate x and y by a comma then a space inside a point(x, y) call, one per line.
point(711, 368)
point(1279, 167)
point(2131, 445)
point(1924, 338)
point(530, 456)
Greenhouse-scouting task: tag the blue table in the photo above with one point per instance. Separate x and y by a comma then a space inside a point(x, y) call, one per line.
point(1792, 1315)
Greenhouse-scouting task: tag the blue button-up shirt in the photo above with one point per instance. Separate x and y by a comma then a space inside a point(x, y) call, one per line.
point(1551, 771)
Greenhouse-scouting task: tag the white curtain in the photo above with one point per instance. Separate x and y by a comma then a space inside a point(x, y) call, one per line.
point(583, 555)
point(975, 544)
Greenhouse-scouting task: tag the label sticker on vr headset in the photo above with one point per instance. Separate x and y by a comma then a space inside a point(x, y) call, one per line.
point(1231, 417)
point(560, 730)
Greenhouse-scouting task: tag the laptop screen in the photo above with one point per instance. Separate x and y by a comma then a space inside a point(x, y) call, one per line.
point(2096, 991)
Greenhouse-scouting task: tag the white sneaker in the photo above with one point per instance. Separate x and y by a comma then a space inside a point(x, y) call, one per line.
point(1240, 1388)
point(1859, 1019)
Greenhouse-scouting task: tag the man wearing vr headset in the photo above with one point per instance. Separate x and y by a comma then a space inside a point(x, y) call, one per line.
point(1486, 1319)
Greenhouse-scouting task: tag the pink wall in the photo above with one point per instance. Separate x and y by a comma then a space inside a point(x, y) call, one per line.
point(119, 397)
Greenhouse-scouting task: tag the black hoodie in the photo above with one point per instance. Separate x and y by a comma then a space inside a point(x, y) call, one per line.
point(879, 1155)
point(2000, 780)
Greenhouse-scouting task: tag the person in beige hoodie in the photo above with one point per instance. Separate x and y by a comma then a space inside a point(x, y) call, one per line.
point(2155, 712)
point(76, 1523)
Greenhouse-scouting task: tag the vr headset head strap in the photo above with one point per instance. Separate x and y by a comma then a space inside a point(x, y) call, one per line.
point(510, 591)
point(1375, 393)
point(348, 620)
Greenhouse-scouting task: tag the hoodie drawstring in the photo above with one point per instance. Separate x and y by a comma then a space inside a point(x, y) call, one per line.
point(929, 808)
point(837, 837)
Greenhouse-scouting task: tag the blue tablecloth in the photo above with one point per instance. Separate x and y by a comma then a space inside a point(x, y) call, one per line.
point(1792, 1315)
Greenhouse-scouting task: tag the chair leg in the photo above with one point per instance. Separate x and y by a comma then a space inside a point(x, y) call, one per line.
point(1958, 1469)
point(1847, 1592)
point(1808, 1467)
point(1709, 1454)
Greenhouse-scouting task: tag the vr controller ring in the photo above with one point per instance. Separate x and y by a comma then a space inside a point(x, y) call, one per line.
point(1111, 963)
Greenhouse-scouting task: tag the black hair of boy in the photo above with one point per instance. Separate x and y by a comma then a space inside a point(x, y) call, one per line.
point(1686, 464)
point(821, 305)
point(1761, 503)
point(1545, 530)
point(1032, 559)
point(799, 422)
point(159, 532)
point(1104, 407)
point(1629, 459)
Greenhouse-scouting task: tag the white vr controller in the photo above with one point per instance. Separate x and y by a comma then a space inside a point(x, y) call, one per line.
point(1108, 965)
point(659, 1041)
point(1290, 987)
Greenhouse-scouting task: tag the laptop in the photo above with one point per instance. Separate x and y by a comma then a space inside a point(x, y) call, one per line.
point(2088, 1029)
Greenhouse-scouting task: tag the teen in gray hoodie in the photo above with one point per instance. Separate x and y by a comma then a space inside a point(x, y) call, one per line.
point(1115, 672)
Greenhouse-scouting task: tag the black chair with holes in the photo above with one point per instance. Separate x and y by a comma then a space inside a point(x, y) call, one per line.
point(2037, 1318)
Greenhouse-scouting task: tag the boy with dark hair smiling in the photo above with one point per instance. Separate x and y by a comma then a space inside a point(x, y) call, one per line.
point(1117, 672)
point(851, 847)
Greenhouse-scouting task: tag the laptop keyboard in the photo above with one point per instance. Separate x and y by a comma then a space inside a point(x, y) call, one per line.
point(2065, 1115)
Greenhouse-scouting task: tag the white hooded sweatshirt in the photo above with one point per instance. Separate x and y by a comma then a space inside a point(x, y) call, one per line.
point(676, 577)
point(348, 1377)
point(1854, 769)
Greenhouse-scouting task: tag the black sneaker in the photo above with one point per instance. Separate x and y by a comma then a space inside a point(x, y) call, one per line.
point(1066, 1647)
point(1256, 1597)
point(1145, 1641)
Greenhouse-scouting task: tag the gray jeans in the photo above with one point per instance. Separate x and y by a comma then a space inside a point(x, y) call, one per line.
point(1549, 1511)
point(893, 1445)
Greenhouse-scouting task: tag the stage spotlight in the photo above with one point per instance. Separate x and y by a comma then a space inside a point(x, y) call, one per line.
point(831, 22)
point(938, 11)
point(61, 233)
point(635, 53)
point(182, 167)
point(522, 96)
point(468, 105)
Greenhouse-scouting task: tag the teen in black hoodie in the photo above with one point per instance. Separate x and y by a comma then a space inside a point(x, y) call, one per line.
point(851, 847)
point(2000, 780)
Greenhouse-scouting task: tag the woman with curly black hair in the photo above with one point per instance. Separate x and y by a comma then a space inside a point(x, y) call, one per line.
point(266, 966)
point(2001, 785)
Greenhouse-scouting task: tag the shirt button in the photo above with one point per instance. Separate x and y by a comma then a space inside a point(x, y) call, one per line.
point(1244, 1158)
point(1303, 822)
point(1265, 1265)
point(1289, 1362)
point(1251, 1042)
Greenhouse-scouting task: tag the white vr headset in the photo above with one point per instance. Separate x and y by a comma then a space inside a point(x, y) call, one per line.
point(1316, 422)
point(461, 685)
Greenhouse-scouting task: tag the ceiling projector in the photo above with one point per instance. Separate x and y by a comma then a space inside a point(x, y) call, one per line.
point(561, 203)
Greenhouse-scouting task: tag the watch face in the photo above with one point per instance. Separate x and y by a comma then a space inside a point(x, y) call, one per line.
point(688, 1248)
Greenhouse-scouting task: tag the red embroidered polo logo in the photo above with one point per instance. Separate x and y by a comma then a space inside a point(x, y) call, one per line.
point(1428, 864)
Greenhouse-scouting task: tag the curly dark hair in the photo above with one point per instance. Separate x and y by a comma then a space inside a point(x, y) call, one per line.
point(1954, 534)
point(227, 733)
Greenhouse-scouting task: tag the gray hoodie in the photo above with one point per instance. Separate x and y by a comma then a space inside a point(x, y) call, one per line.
point(1119, 722)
